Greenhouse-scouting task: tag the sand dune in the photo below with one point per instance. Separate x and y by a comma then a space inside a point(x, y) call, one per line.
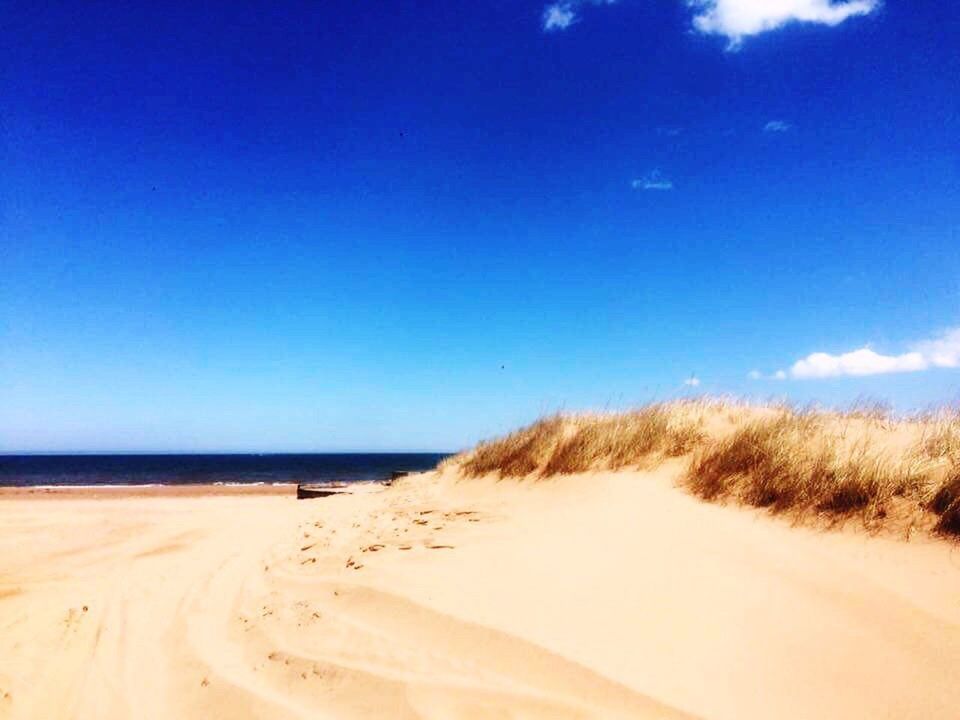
point(612, 595)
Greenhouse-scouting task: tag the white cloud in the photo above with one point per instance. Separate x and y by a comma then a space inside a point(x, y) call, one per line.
point(943, 351)
point(776, 126)
point(559, 16)
point(692, 381)
point(562, 14)
point(939, 352)
point(857, 362)
point(755, 375)
point(737, 19)
point(733, 19)
point(652, 181)
point(780, 375)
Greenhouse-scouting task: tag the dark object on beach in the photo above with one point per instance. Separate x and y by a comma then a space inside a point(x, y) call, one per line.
point(306, 492)
point(396, 475)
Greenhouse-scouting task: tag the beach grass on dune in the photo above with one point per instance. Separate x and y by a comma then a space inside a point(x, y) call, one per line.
point(943, 438)
point(565, 444)
point(946, 503)
point(808, 464)
point(620, 440)
point(789, 463)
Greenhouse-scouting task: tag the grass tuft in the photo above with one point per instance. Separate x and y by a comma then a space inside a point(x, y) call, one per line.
point(566, 444)
point(519, 453)
point(791, 463)
point(616, 441)
point(943, 439)
point(946, 504)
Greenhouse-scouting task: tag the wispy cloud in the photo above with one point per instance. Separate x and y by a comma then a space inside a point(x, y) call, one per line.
point(776, 126)
point(564, 13)
point(559, 16)
point(737, 19)
point(757, 375)
point(652, 181)
point(942, 351)
point(692, 381)
point(669, 131)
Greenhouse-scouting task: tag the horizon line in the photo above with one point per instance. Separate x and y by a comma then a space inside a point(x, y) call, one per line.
point(48, 453)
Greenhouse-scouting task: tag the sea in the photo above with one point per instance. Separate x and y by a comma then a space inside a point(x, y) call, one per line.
point(224, 469)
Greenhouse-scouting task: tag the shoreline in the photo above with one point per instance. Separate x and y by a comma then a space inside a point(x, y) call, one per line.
point(96, 492)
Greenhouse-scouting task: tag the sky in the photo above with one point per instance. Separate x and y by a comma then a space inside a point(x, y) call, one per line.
point(329, 226)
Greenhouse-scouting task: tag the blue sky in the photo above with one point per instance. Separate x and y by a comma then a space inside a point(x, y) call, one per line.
point(331, 226)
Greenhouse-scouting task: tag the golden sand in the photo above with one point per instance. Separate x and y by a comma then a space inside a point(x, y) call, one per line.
point(608, 595)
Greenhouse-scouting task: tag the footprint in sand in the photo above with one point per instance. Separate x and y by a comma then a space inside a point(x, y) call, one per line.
point(74, 616)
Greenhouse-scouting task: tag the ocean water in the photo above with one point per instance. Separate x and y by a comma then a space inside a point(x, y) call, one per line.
point(40, 470)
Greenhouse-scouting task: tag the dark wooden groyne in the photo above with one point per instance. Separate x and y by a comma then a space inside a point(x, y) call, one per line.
point(307, 491)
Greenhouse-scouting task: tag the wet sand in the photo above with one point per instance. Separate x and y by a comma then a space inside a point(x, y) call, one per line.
point(102, 492)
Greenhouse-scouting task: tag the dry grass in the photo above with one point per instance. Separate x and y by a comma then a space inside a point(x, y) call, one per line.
point(807, 464)
point(942, 439)
point(941, 445)
point(565, 444)
point(946, 503)
point(865, 408)
point(621, 440)
point(791, 464)
point(519, 453)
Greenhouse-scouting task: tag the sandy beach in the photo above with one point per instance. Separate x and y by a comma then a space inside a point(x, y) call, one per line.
point(608, 595)
point(115, 492)
point(542, 360)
